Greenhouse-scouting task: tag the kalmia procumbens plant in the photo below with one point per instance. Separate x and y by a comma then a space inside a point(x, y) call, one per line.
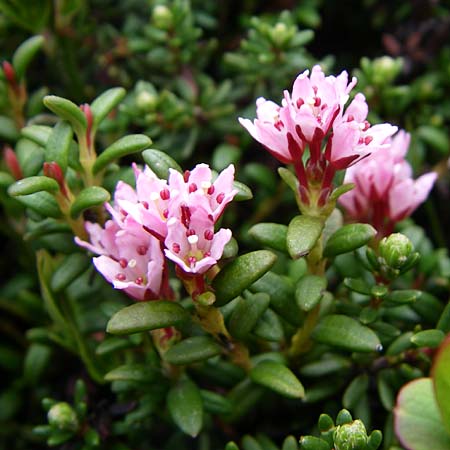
point(181, 319)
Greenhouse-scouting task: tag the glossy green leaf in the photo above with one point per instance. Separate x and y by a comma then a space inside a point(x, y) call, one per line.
point(186, 407)
point(302, 235)
point(160, 162)
point(277, 377)
point(272, 235)
point(88, 198)
point(243, 191)
point(428, 338)
point(357, 285)
point(125, 146)
point(347, 333)
point(250, 443)
point(58, 144)
point(8, 129)
point(25, 53)
point(402, 297)
point(42, 202)
point(313, 443)
point(400, 344)
point(145, 316)
point(241, 273)
point(67, 110)
point(289, 178)
point(132, 372)
point(31, 185)
point(355, 390)
point(37, 133)
point(36, 361)
point(444, 320)
point(269, 327)
point(290, 443)
point(309, 291)
point(246, 314)
point(70, 268)
point(441, 380)
point(349, 238)
point(341, 190)
point(106, 102)
point(417, 421)
point(193, 349)
point(215, 403)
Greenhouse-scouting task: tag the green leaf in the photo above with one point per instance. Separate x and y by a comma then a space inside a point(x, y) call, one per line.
point(347, 333)
point(106, 102)
point(125, 146)
point(428, 338)
point(313, 443)
point(250, 443)
point(67, 110)
point(440, 375)
point(31, 185)
point(349, 238)
point(140, 373)
point(215, 403)
point(186, 407)
point(444, 320)
point(434, 137)
point(36, 360)
point(309, 291)
point(246, 314)
point(303, 233)
point(37, 133)
point(402, 297)
point(71, 267)
point(341, 190)
point(193, 349)
point(243, 191)
point(418, 424)
point(88, 198)
point(8, 129)
point(58, 144)
point(289, 178)
point(271, 235)
point(277, 377)
point(25, 53)
point(241, 273)
point(160, 162)
point(357, 285)
point(269, 327)
point(145, 316)
point(355, 390)
point(41, 202)
point(290, 443)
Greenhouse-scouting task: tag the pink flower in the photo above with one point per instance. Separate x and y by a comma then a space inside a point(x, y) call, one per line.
point(197, 188)
point(385, 192)
point(353, 138)
point(191, 242)
point(130, 258)
point(272, 127)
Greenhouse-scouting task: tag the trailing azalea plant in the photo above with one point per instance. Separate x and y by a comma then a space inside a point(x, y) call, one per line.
point(206, 302)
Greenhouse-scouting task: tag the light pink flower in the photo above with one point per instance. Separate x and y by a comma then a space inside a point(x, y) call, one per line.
point(191, 242)
point(130, 259)
point(197, 188)
point(385, 192)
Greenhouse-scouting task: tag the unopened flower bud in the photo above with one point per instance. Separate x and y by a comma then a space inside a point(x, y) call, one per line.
point(162, 17)
point(63, 416)
point(146, 101)
point(350, 436)
point(395, 250)
point(385, 69)
point(12, 163)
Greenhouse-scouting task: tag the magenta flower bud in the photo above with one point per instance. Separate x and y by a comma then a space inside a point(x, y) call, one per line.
point(12, 162)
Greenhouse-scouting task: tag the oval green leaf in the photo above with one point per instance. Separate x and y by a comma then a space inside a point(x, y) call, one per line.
point(132, 372)
point(440, 375)
point(428, 338)
point(32, 185)
point(193, 349)
point(309, 291)
point(186, 407)
point(241, 273)
point(302, 235)
point(124, 146)
point(25, 53)
point(349, 238)
point(272, 235)
point(70, 268)
point(88, 198)
point(58, 144)
point(106, 102)
point(417, 421)
point(347, 333)
point(67, 110)
point(278, 378)
point(147, 316)
point(41, 202)
point(160, 162)
point(243, 191)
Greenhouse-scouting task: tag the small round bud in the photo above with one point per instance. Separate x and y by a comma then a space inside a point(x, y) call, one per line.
point(395, 250)
point(146, 101)
point(350, 436)
point(63, 416)
point(162, 17)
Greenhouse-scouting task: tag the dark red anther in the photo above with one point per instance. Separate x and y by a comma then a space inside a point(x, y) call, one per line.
point(186, 175)
point(207, 254)
point(176, 247)
point(299, 102)
point(121, 277)
point(190, 232)
point(350, 118)
point(12, 163)
point(366, 125)
point(123, 263)
point(145, 204)
point(209, 235)
point(192, 187)
point(142, 250)
point(315, 89)
point(279, 125)
point(164, 194)
point(53, 170)
point(368, 140)
point(165, 213)
point(139, 280)
point(185, 215)
point(211, 190)
point(192, 260)
point(220, 197)
point(317, 101)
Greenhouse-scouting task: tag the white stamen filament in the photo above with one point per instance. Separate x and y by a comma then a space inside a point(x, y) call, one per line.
point(132, 263)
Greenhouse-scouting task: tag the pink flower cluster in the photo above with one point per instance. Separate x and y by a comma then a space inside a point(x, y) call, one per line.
point(385, 192)
point(314, 115)
point(174, 218)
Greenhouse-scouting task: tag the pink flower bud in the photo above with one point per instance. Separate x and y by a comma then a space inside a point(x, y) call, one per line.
point(12, 162)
